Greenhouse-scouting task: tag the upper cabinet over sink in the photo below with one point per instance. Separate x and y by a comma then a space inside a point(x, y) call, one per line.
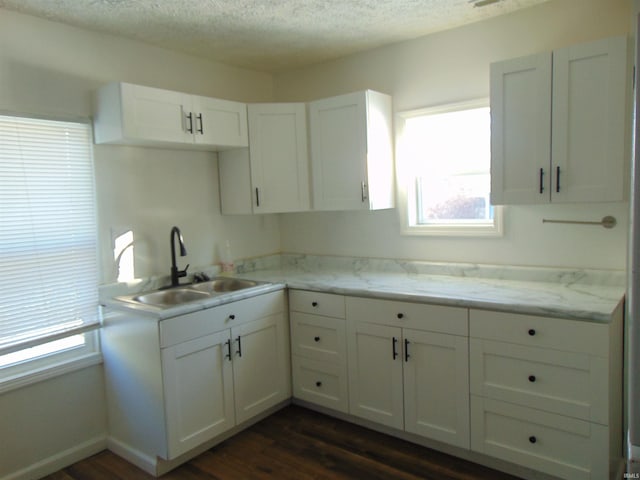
point(136, 115)
point(352, 152)
point(558, 122)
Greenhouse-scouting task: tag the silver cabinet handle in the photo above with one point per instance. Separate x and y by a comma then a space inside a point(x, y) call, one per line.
point(363, 190)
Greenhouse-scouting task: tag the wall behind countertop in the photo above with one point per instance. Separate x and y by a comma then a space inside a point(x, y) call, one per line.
point(453, 66)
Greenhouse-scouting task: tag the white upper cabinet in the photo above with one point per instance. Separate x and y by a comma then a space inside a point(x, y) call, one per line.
point(136, 115)
point(352, 152)
point(272, 176)
point(558, 125)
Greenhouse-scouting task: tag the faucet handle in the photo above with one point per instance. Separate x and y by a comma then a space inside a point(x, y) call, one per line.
point(183, 273)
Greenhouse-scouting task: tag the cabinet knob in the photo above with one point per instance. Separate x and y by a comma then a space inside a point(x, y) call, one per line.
point(401, 315)
point(532, 439)
point(232, 317)
point(314, 304)
point(532, 378)
point(316, 339)
point(532, 332)
point(318, 384)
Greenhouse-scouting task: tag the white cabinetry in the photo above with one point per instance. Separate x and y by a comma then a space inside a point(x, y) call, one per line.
point(545, 393)
point(176, 384)
point(261, 373)
point(408, 367)
point(137, 115)
point(558, 125)
point(198, 387)
point(272, 175)
point(352, 152)
point(319, 350)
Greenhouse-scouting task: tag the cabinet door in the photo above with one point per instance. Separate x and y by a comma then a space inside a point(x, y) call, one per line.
point(198, 391)
point(339, 152)
point(521, 130)
point(589, 93)
point(219, 123)
point(279, 157)
point(375, 373)
point(436, 386)
point(152, 114)
point(261, 369)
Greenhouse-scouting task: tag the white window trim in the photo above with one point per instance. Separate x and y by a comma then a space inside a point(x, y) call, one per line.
point(406, 185)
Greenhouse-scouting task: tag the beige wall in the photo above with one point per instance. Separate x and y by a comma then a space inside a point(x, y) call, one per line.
point(453, 66)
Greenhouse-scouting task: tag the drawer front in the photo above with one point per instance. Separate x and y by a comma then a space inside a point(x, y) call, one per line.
point(553, 444)
point(557, 333)
point(566, 383)
point(434, 318)
point(204, 322)
point(319, 338)
point(321, 383)
point(316, 303)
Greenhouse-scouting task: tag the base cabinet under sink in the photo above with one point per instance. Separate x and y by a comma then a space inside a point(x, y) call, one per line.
point(175, 384)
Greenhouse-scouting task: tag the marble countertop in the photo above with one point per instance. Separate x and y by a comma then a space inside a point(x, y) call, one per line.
point(595, 303)
point(571, 294)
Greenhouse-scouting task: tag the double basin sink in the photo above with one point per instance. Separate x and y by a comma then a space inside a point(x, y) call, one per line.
point(174, 296)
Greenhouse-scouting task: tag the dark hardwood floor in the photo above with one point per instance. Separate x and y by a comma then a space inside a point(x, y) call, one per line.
point(299, 444)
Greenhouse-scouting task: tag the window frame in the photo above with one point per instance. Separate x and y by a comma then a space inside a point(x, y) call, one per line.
point(407, 183)
point(64, 359)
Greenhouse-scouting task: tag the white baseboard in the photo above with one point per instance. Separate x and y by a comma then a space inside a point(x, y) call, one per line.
point(60, 460)
point(131, 455)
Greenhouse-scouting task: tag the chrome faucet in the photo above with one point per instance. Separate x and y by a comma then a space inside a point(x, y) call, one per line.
point(175, 273)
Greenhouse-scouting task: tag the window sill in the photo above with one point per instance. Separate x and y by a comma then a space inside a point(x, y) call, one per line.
point(55, 369)
point(452, 231)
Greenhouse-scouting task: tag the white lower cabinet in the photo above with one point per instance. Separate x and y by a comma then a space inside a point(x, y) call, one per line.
point(546, 442)
point(546, 393)
point(409, 368)
point(176, 384)
point(375, 373)
point(261, 376)
point(319, 350)
point(198, 387)
point(440, 360)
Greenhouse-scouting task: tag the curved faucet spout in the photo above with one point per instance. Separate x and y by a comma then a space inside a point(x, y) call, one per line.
point(175, 273)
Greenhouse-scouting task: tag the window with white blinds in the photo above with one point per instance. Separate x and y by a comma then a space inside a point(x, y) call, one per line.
point(48, 240)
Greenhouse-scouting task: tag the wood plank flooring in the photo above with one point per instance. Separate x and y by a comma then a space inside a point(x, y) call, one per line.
point(296, 443)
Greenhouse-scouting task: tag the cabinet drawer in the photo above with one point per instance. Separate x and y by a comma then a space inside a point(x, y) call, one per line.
point(325, 304)
point(558, 333)
point(204, 322)
point(553, 444)
point(320, 383)
point(566, 383)
point(434, 318)
point(319, 338)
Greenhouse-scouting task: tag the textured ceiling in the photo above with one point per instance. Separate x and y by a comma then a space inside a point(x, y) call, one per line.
point(268, 35)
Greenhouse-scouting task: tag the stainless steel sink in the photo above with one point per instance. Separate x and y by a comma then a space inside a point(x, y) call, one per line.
point(175, 296)
point(171, 297)
point(221, 285)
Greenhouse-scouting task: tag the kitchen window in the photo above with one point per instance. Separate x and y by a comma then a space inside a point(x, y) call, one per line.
point(48, 248)
point(444, 174)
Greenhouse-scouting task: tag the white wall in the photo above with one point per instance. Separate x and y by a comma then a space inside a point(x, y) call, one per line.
point(51, 69)
point(453, 66)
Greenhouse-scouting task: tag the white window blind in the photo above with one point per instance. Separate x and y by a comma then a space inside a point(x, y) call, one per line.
point(48, 241)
